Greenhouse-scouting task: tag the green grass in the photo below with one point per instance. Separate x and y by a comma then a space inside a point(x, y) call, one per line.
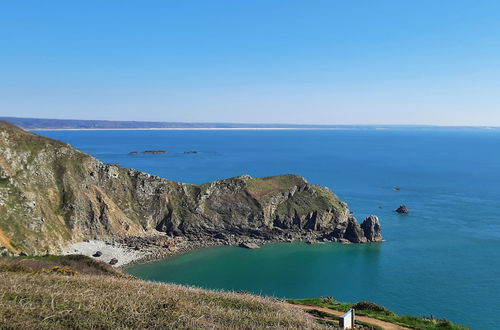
point(379, 312)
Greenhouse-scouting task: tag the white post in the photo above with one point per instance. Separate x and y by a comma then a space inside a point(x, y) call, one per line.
point(348, 319)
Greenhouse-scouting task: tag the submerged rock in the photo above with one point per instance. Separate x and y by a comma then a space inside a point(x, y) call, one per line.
point(402, 209)
point(97, 254)
point(113, 261)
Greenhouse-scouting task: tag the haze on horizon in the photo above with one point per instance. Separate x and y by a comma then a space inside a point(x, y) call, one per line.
point(296, 62)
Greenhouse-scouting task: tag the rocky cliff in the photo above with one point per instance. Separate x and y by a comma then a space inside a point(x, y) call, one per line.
point(52, 194)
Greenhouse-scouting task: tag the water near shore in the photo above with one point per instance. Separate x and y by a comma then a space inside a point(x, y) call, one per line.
point(441, 259)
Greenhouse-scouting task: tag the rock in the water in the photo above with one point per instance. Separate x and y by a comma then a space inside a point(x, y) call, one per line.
point(97, 254)
point(155, 152)
point(247, 245)
point(133, 153)
point(353, 232)
point(113, 261)
point(372, 229)
point(402, 209)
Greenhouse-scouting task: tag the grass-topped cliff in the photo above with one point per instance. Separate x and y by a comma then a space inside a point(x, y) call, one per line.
point(52, 194)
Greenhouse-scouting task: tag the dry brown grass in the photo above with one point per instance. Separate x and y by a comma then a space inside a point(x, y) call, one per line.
point(51, 301)
point(73, 263)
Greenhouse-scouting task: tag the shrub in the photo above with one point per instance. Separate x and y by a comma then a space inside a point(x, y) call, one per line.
point(60, 270)
point(369, 306)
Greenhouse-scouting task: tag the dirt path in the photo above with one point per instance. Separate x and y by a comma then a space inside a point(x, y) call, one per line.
point(382, 324)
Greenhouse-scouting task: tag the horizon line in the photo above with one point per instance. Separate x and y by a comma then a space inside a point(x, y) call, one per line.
point(242, 124)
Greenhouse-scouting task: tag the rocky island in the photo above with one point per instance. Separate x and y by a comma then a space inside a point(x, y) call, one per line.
point(52, 195)
point(155, 152)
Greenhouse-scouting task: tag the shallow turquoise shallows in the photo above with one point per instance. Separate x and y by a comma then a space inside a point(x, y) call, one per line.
point(441, 259)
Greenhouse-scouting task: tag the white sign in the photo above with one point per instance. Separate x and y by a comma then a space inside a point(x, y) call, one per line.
point(348, 319)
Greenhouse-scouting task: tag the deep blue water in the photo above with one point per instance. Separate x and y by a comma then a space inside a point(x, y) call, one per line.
point(442, 259)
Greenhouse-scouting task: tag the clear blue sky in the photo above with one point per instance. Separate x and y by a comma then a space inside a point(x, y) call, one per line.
point(261, 61)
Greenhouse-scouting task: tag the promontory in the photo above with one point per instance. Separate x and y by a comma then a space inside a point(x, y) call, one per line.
point(52, 195)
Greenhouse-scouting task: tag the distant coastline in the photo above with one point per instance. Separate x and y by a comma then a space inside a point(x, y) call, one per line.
point(194, 129)
point(39, 124)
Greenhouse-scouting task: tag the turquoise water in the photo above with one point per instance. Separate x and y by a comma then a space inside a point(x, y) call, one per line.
point(442, 259)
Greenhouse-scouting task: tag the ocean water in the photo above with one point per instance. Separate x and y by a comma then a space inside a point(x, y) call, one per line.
point(442, 259)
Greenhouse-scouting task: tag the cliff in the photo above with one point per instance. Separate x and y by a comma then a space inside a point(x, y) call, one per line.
point(52, 194)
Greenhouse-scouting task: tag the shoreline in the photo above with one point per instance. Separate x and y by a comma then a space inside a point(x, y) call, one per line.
point(134, 250)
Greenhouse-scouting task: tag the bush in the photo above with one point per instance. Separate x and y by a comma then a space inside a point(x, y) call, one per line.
point(369, 306)
point(60, 270)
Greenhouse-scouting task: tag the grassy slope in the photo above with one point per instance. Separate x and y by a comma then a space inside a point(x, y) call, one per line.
point(33, 298)
point(381, 313)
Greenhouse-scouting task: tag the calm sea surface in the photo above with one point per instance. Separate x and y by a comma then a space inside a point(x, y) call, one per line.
point(442, 259)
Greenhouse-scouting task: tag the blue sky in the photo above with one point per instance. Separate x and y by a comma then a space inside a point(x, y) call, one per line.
point(258, 61)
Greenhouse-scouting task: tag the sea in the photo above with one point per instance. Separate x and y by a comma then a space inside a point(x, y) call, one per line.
point(441, 260)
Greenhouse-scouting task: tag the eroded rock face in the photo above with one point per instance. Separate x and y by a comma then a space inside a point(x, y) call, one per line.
point(372, 229)
point(52, 194)
point(353, 232)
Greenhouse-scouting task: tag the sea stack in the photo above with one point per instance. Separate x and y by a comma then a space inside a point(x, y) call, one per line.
point(372, 229)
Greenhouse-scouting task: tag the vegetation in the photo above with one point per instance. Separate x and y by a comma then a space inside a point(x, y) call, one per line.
point(373, 310)
point(65, 265)
point(31, 297)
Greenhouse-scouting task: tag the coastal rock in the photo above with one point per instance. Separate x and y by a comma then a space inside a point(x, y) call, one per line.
point(354, 233)
point(247, 245)
point(372, 229)
point(113, 261)
point(402, 209)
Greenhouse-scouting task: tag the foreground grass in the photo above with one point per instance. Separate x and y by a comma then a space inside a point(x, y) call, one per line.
point(33, 297)
point(381, 313)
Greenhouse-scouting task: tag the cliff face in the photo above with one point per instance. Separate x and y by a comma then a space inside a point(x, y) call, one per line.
point(52, 194)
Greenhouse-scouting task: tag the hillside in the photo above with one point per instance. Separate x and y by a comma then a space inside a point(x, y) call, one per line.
point(35, 294)
point(52, 194)
point(77, 292)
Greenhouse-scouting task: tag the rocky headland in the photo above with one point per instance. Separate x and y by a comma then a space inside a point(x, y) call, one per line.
point(53, 196)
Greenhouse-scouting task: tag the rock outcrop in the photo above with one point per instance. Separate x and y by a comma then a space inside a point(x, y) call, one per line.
point(402, 209)
point(372, 229)
point(52, 194)
point(248, 245)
